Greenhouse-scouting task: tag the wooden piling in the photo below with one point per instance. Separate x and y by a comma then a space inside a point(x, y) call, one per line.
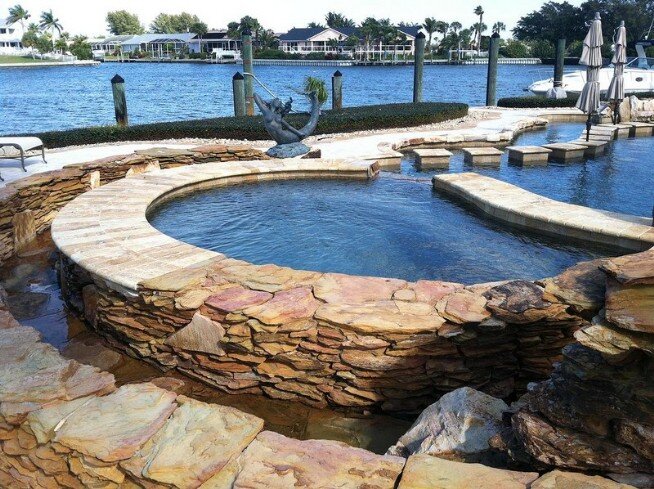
point(120, 102)
point(238, 86)
point(337, 90)
point(246, 37)
point(418, 65)
point(491, 79)
point(559, 62)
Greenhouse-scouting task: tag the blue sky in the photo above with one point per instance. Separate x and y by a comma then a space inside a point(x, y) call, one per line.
point(87, 17)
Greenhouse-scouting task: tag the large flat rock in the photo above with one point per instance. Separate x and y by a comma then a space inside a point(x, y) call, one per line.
point(114, 427)
point(197, 441)
point(273, 461)
point(573, 480)
point(427, 472)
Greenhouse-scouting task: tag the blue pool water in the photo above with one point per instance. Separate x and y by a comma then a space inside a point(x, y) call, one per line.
point(384, 227)
point(621, 180)
point(42, 99)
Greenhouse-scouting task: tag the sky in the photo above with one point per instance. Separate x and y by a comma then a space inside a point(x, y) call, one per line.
point(88, 17)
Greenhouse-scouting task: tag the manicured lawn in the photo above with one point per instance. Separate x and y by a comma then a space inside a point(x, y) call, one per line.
point(19, 59)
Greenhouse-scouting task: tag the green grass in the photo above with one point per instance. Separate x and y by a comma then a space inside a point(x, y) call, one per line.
point(347, 120)
point(6, 59)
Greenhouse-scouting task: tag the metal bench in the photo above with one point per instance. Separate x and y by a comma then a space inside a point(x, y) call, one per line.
point(23, 145)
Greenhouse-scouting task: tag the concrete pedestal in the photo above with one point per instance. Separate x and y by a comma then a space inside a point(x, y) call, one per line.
point(529, 155)
point(482, 156)
point(430, 159)
point(565, 151)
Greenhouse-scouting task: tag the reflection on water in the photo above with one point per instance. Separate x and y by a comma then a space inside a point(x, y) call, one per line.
point(35, 300)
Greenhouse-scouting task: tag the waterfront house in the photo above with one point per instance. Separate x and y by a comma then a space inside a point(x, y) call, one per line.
point(335, 41)
point(160, 45)
point(108, 45)
point(216, 43)
point(10, 38)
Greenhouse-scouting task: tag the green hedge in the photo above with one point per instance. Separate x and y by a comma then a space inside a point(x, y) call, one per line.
point(542, 102)
point(346, 120)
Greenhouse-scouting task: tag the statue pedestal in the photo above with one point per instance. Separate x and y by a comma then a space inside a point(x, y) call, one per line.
point(290, 150)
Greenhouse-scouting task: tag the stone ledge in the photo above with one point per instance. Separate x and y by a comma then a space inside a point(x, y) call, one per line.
point(521, 208)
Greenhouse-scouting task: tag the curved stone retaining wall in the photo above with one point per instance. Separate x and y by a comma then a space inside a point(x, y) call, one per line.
point(67, 425)
point(320, 338)
point(28, 206)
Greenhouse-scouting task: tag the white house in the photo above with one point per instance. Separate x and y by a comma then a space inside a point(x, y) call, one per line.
point(216, 43)
point(10, 38)
point(329, 40)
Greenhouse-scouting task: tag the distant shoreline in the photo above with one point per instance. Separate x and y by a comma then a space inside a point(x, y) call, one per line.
point(40, 64)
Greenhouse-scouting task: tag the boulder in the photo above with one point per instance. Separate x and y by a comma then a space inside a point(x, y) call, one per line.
point(459, 426)
point(573, 480)
point(427, 472)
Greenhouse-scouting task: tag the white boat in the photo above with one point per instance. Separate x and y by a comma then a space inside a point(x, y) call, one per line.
point(638, 76)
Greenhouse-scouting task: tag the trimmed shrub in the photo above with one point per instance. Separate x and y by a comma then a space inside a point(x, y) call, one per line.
point(252, 128)
point(533, 101)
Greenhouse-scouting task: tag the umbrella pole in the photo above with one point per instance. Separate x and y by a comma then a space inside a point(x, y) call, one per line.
point(588, 126)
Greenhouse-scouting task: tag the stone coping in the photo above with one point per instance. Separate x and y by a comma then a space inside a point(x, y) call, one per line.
point(107, 233)
point(524, 209)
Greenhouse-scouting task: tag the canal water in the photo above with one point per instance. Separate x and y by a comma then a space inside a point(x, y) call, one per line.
point(43, 99)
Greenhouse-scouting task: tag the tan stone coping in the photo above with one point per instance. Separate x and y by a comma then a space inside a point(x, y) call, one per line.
point(106, 231)
point(525, 209)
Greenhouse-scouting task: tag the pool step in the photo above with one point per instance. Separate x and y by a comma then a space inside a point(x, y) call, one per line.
point(593, 147)
point(432, 159)
point(565, 151)
point(529, 155)
point(640, 129)
point(482, 156)
point(622, 130)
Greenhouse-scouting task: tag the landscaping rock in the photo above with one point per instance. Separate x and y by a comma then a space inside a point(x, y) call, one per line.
point(573, 480)
point(458, 425)
point(427, 472)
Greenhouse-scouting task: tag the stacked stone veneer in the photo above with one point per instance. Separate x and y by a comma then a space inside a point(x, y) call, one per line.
point(28, 206)
point(320, 338)
point(67, 425)
point(596, 412)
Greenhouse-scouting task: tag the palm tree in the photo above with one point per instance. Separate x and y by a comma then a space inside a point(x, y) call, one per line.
point(333, 43)
point(369, 28)
point(49, 22)
point(18, 14)
point(479, 10)
point(498, 27)
point(456, 27)
point(430, 25)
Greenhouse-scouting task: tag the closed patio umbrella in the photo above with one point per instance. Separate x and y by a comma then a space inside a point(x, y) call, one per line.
point(616, 88)
point(591, 56)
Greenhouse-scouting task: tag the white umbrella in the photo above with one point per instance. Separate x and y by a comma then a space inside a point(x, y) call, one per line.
point(616, 88)
point(591, 56)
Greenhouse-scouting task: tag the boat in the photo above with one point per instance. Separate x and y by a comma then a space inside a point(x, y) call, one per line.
point(638, 76)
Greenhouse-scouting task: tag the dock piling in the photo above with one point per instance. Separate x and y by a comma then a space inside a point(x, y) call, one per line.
point(418, 65)
point(491, 80)
point(246, 37)
point(238, 86)
point(337, 90)
point(120, 102)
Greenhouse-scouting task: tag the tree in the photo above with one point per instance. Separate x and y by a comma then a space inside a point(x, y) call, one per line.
point(336, 20)
point(61, 45)
point(81, 48)
point(542, 49)
point(455, 27)
point(315, 25)
point(44, 43)
point(514, 49)
point(352, 42)
point(168, 24)
point(370, 29)
point(121, 22)
point(552, 22)
point(479, 11)
point(268, 39)
point(430, 26)
point(18, 14)
point(200, 29)
point(479, 28)
point(498, 27)
point(50, 23)
point(31, 37)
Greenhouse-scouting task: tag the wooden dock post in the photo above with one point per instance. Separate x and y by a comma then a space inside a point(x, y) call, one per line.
point(246, 37)
point(120, 102)
point(337, 90)
point(238, 85)
point(491, 80)
point(558, 63)
point(418, 65)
